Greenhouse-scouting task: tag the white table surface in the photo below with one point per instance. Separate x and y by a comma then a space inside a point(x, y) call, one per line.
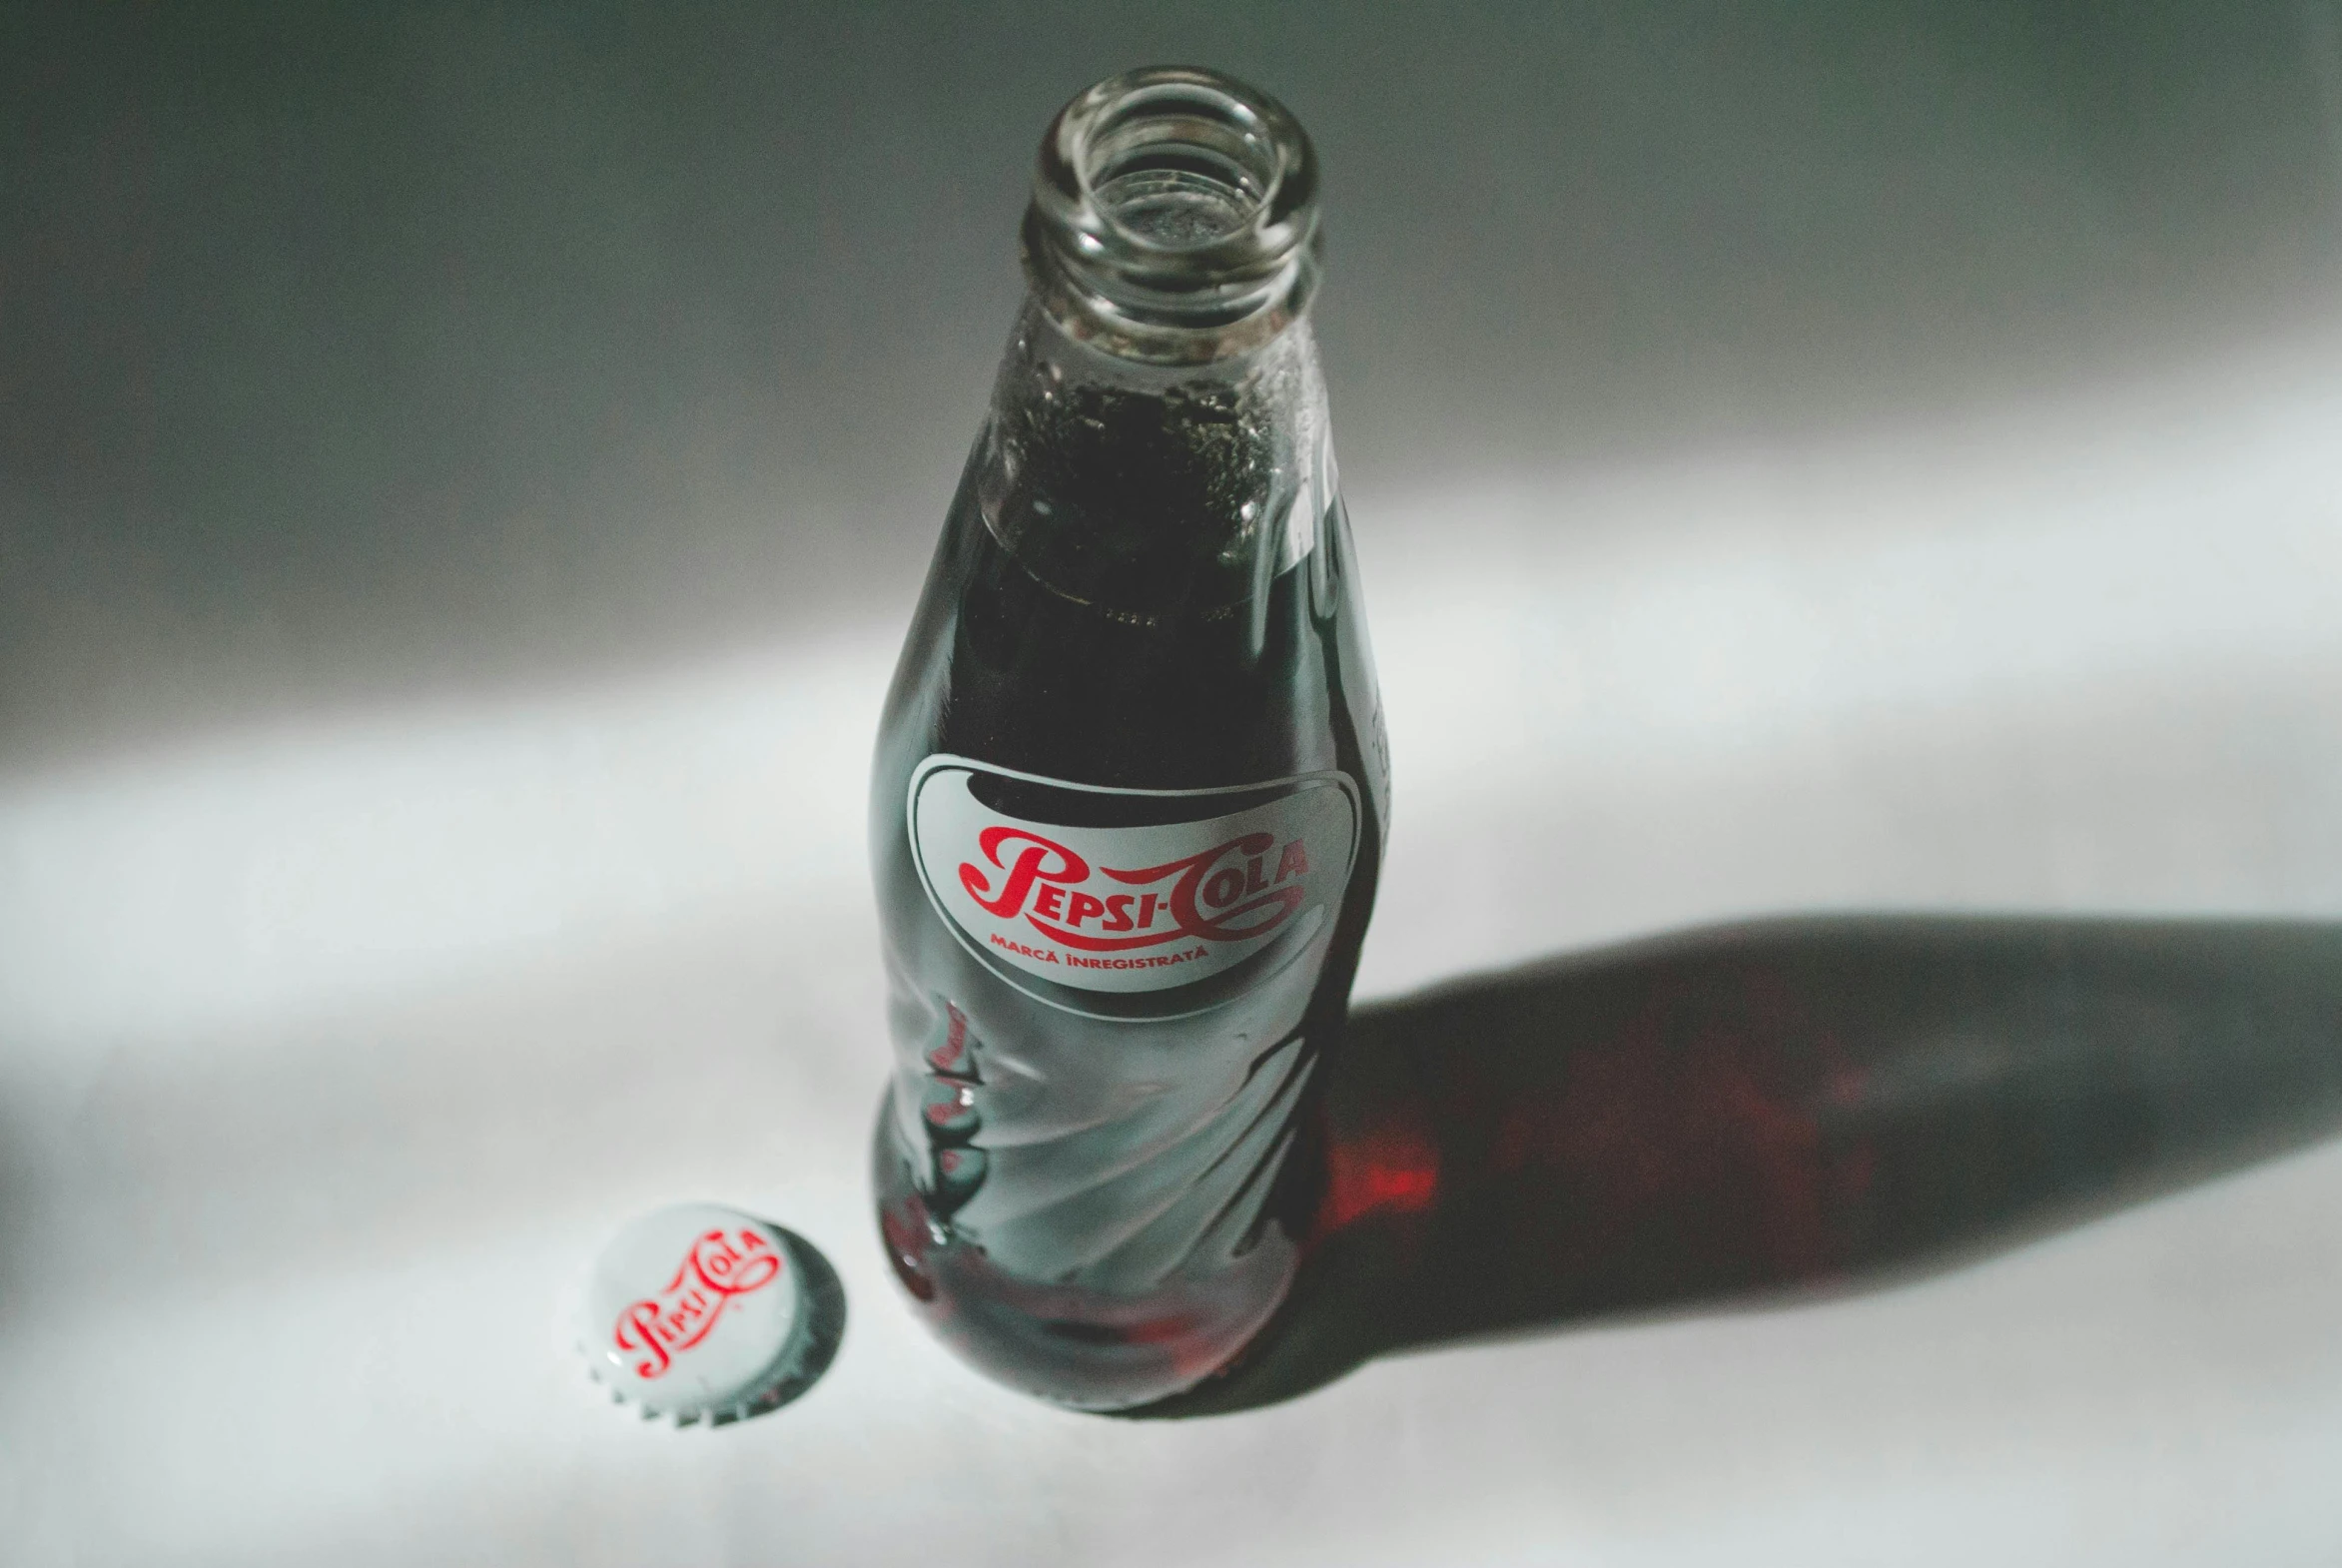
point(334, 1047)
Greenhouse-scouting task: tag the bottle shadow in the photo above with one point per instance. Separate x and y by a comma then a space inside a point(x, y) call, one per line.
point(1787, 1107)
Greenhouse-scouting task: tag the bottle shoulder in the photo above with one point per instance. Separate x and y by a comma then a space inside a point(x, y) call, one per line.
point(1003, 669)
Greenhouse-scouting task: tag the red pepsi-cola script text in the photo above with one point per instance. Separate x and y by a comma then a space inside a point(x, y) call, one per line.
point(1057, 882)
point(720, 1266)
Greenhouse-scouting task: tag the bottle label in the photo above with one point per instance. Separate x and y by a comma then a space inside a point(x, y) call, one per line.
point(1112, 900)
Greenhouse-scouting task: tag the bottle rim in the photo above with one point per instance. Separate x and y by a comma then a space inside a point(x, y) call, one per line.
point(1173, 217)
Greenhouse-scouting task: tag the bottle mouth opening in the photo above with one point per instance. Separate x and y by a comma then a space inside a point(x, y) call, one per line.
point(1174, 215)
point(1176, 165)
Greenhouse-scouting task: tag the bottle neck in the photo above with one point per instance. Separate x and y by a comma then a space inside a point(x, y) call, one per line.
point(1155, 491)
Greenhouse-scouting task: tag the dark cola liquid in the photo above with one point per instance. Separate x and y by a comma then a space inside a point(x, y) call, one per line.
point(1098, 1196)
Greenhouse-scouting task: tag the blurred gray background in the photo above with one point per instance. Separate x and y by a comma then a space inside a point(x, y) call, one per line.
point(348, 351)
point(463, 473)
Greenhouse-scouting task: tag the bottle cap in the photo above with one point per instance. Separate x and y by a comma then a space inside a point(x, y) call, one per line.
point(695, 1313)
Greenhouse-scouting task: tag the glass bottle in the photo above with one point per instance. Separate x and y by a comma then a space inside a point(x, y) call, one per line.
point(1131, 786)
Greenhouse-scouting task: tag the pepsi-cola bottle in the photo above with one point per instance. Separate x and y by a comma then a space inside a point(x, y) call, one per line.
point(1131, 786)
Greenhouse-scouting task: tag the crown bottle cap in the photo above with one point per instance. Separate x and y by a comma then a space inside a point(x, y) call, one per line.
point(695, 1313)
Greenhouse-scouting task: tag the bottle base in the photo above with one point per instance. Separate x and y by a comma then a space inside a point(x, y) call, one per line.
point(1082, 1349)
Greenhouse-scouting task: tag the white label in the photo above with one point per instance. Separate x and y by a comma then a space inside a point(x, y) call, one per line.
point(1190, 894)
